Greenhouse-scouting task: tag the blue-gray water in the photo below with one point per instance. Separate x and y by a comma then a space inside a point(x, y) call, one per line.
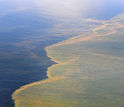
point(26, 29)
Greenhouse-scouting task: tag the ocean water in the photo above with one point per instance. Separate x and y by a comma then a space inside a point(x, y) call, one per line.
point(23, 59)
point(27, 27)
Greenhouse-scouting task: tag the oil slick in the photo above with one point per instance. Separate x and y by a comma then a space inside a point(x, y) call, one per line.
point(85, 73)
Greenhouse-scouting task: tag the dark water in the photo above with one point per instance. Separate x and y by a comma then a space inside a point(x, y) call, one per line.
point(23, 59)
point(25, 34)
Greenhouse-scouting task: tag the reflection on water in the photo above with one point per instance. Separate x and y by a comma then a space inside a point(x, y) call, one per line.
point(26, 27)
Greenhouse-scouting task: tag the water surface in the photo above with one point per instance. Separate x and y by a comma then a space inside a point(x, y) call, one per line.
point(27, 27)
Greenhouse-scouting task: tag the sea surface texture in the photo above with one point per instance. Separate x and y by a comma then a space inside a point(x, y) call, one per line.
point(56, 53)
